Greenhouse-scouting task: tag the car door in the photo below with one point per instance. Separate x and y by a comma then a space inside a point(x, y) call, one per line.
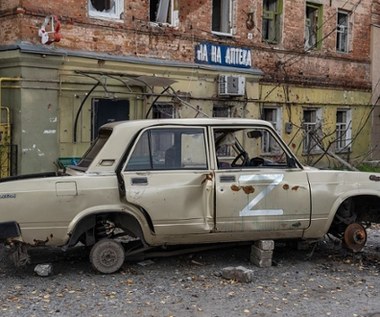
point(167, 174)
point(258, 186)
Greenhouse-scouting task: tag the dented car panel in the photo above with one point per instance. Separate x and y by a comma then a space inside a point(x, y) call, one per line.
point(186, 181)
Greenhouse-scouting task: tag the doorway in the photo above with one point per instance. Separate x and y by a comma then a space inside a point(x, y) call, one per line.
point(107, 110)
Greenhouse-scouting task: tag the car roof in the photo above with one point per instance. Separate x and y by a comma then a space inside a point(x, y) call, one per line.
point(185, 121)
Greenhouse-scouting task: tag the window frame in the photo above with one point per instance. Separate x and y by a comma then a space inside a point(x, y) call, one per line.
point(172, 12)
point(229, 16)
point(162, 113)
point(172, 129)
point(318, 41)
point(116, 16)
point(275, 123)
point(310, 146)
point(273, 18)
point(343, 132)
point(341, 34)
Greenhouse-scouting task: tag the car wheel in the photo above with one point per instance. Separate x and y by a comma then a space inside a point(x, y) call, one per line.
point(107, 256)
point(355, 237)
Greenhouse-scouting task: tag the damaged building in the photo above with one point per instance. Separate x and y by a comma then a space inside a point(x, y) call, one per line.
point(68, 67)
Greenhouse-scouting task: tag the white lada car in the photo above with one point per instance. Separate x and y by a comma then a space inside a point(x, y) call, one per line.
point(154, 183)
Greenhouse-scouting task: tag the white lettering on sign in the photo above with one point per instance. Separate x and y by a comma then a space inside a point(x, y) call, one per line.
point(202, 53)
point(223, 55)
point(238, 56)
point(216, 55)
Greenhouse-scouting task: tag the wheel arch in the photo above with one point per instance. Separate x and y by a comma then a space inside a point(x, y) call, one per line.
point(82, 227)
point(364, 206)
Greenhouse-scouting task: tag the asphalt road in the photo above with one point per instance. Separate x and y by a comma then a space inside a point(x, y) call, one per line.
point(329, 283)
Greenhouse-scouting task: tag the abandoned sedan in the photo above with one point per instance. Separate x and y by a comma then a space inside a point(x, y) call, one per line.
point(153, 183)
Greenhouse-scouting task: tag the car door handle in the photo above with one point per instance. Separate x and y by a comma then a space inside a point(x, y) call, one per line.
point(139, 181)
point(227, 178)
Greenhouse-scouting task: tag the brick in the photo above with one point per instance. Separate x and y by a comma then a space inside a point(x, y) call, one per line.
point(261, 262)
point(261, 254)
point(266, 245)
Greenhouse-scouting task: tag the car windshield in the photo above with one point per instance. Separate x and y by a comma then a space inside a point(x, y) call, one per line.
point(95, 148)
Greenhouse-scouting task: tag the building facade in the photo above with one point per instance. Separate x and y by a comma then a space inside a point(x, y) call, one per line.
point(68, 67)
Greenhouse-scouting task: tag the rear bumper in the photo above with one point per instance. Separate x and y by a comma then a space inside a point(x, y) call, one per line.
point(9, 229)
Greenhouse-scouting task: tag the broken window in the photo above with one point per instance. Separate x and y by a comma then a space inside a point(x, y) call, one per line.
point(272, 115)
point(163, 111)
point(313, 26)
point(109, 9)
point(222, 16)
point(312, 130)
point(272, 10)
point(246, 148)
point(342, 32)
point(343, 130)
point(164, 11)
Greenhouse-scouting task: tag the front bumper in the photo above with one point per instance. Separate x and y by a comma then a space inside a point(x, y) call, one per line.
point(9, 229)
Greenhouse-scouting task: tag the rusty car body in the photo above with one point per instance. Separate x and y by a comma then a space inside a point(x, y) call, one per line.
point(180, 182)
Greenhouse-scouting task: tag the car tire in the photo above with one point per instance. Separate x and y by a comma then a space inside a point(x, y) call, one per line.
point(107, 256)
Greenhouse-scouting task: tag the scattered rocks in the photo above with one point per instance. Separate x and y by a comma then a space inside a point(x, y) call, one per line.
point(239, 274)
point(44, 270)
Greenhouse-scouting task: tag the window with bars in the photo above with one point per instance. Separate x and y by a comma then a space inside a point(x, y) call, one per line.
point(313, 26)
point(312, 130)
point(272, 115)
point(342, 32)
point(108, 9)
point(163, 111)
point(164, 11)
point(271, 31)
point(343, 130)
point(222, 16)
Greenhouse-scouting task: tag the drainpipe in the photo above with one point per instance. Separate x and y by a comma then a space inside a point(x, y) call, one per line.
point(6, 79)
point(6, 108)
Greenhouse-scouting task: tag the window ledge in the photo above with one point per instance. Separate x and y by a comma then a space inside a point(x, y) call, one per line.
point(222, 34)
point(106, 18)
point(161, 25)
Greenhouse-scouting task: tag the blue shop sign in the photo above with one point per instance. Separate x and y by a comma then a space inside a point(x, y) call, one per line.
point(207, 53)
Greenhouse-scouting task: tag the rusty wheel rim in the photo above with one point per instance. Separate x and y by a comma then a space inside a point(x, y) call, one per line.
point(355, 237)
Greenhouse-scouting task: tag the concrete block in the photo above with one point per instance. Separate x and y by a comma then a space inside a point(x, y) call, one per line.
point(266, 245)
point(261, 254)
point(265, 262)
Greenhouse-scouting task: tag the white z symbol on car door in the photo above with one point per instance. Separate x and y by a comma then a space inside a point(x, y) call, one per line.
point(248, 210)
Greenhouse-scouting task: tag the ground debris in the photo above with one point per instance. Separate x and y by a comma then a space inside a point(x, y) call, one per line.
point(44, 269)
point(239, 274)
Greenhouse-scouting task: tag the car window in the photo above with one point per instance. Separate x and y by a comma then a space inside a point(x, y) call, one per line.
point(94, 149)
point(168, 149)
point(248, 148)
